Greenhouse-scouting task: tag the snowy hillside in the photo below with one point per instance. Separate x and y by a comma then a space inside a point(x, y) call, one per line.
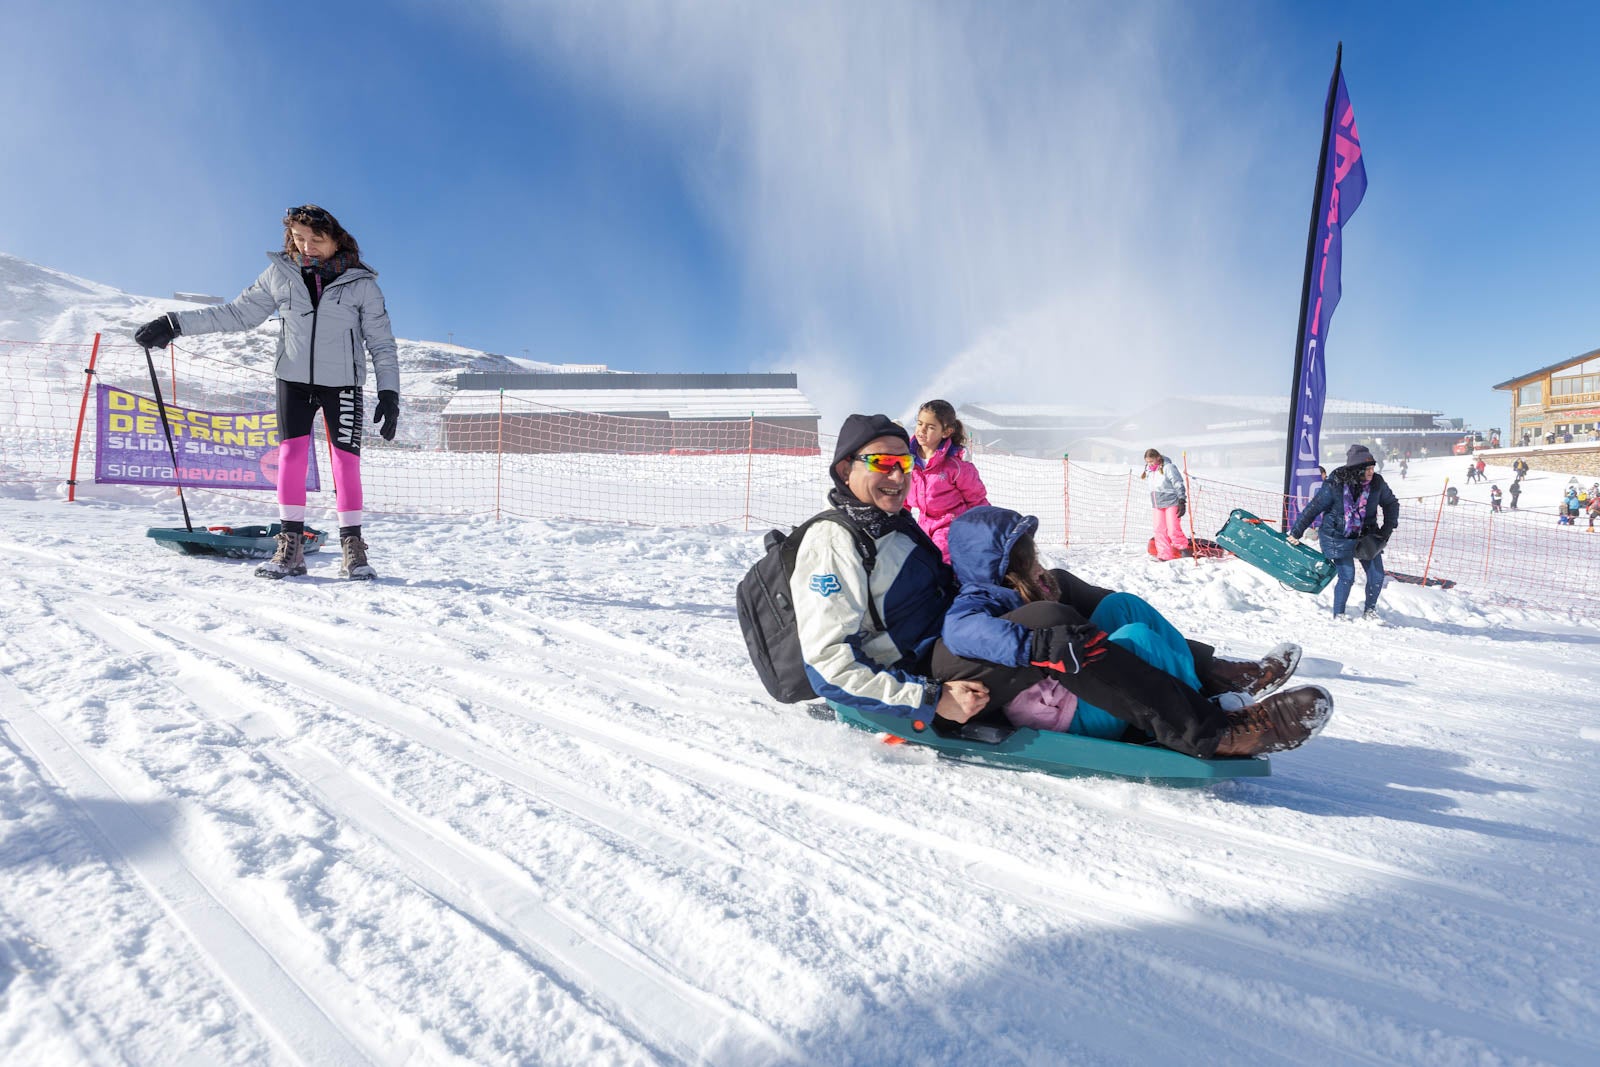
point(40, 304)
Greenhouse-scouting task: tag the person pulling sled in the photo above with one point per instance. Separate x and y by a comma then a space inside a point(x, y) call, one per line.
point(332, 312)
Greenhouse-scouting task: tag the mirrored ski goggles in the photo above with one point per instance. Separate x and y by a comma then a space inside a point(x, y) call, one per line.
point(884, 462)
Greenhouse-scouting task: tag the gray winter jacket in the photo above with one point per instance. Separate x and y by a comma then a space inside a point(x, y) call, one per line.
point(1166, 489)
point(316, 346)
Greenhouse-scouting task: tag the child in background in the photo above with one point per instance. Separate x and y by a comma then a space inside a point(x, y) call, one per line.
point(1170, 498)
point(944, 483)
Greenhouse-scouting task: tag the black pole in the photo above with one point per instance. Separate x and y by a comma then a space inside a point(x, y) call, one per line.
point(1305, 285)
point(161, 406)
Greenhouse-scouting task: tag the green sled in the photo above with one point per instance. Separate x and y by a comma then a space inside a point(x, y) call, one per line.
point(1299, 567)
point(1065, 755)
point(233, 542)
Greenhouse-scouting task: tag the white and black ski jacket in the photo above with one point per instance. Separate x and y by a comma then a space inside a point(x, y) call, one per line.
point(847, 658)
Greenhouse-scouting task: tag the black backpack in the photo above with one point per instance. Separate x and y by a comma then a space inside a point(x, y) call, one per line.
point(766, 610)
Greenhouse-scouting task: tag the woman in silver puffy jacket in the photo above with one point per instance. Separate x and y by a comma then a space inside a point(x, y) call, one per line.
point(332, 316)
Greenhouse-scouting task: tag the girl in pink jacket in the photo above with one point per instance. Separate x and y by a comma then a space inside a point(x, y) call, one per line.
point(944, 483)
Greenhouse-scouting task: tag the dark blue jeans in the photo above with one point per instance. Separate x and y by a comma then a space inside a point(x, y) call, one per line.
point(1345, 577)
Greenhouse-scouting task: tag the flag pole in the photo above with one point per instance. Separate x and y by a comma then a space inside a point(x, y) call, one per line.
point(1305, 287)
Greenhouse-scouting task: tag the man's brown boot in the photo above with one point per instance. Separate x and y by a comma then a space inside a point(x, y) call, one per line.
point(1276, 723)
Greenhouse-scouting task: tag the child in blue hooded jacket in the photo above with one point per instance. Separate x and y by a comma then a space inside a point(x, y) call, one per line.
point(1103, 662)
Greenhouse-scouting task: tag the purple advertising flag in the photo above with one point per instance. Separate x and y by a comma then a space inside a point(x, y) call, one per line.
point(1341, 183)
point(232, 450)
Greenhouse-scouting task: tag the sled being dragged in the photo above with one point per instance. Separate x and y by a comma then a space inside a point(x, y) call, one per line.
point(1299, 567)
point(233, 542)
point(1066, 755)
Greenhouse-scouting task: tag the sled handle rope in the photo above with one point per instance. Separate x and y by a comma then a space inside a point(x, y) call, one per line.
point(172, 451)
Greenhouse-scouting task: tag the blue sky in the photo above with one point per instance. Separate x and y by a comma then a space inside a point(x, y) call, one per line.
point(1091, 203)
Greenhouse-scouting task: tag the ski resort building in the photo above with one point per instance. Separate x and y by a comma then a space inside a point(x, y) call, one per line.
point(1551, 403)
point(1037, 430)
point(1236, 431)
point(629, 413)
point(1248, 431)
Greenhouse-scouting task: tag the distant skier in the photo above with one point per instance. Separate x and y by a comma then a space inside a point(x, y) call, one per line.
point(1494, 498)
point(331, 308)
point(1516, 491)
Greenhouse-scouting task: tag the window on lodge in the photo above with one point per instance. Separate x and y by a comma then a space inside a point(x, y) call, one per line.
point(1531, 394)
point(1574, 384)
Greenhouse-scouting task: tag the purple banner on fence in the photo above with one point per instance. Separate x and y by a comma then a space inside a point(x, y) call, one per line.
point(233, 450)
point(1344, 182)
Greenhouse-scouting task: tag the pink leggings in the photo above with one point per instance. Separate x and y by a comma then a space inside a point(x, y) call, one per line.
point(1169, 533)
point(293, 458)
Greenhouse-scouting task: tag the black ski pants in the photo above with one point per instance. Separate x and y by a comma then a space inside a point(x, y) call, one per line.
point(1145, 697)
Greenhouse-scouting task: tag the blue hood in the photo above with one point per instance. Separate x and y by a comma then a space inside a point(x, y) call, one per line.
point(981, 541)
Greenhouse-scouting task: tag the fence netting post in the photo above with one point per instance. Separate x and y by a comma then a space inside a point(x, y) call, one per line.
point(83, 407)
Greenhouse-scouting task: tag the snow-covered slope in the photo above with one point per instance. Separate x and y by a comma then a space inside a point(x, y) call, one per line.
point(524, 802)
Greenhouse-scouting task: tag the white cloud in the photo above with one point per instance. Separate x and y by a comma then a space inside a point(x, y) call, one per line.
point(1002, 199)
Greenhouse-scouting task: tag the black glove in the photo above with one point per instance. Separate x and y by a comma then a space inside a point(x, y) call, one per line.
point(1067, 649)
point(1183, 508)
point(388, 413)
point(157, 333)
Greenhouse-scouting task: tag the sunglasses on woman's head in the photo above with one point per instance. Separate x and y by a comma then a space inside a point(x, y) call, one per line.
point(884, 462)
point(307, 215)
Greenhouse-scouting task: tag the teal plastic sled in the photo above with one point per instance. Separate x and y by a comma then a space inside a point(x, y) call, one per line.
point(1257, 543)
point(1065, 755)
point(233, 542)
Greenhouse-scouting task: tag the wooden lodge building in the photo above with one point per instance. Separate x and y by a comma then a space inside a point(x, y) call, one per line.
point(1552, 402)
point(1555, 417)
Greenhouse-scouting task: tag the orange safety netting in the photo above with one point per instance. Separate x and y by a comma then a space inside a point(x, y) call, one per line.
point(463, 454)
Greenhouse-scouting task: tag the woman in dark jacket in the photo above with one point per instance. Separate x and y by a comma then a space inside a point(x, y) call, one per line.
point(1358, 504)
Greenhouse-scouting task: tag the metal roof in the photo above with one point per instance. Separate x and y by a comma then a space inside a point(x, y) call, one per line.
point(1280, 405)
point(1552, 368)
point(623, 380)
point(1034, 411)
point(658, 403)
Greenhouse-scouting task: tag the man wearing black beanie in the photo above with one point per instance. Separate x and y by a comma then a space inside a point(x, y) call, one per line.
point(866, 636)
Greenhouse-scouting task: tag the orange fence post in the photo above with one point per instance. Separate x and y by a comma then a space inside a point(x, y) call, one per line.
point(1488, 546)
point(1434, 540)
point(1127, 497)
point(749, 470)
point(1188, 494)
point(83, 407)
point(1066, 502)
